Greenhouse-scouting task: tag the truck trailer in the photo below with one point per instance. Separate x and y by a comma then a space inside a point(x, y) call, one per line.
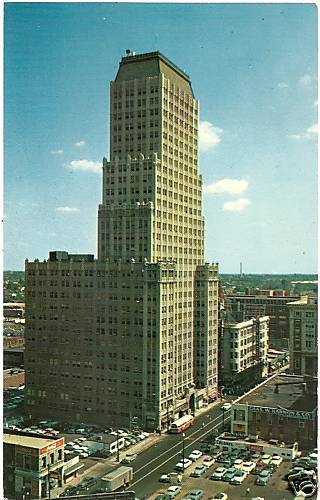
point(118, 478)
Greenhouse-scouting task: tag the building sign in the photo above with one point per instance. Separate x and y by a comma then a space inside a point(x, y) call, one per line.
point(303, 415)
point(52, 446)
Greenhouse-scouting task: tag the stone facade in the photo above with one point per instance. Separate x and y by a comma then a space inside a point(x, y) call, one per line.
point(133, 333)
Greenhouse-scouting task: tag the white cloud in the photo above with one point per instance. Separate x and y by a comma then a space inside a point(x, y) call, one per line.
point(313, 129)
point(85, 165)
point(57, 152)
point(67, 210)
point(229, 186)
point(305, 80)
point(282, 85)
point(209, 135)
point(236, 205)
point(310, 133)
point(80, 144)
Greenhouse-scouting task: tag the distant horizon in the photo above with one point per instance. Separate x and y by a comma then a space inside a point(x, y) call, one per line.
point(220, 273)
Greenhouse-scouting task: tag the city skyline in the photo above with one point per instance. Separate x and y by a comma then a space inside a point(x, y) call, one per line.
point(258, 113)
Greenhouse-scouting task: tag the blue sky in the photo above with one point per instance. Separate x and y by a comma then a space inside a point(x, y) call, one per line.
point(254, 69)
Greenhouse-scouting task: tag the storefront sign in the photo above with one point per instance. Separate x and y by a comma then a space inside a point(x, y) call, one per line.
point(303, 415)
point(255, 447)
point(52, 446)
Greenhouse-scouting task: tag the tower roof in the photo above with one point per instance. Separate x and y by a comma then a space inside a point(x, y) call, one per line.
point(137, 66)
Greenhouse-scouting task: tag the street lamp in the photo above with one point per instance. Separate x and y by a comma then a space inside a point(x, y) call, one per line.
point(223, 410)
point(183, 436)
point(118, 457)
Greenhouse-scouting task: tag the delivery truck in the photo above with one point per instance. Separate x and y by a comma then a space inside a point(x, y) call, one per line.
point(117, 479)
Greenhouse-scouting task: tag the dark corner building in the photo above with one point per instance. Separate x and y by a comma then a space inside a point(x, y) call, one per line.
point(283, 409)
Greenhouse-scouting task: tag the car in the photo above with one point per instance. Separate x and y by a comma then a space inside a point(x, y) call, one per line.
point(218, 474)
point(229, 474)
point(262, 481)
point(248, 466)
point(238, 463)
point(183, 464)
point(195, 494)
point(165, 478)
point(199, 470)
point(208, 460)
point(173, 491)
point(265, 459)
point(239, 477)
point(220, 496)
point(276, 460)
point(293, 471)
point(263, 478)
point(226, 406)
point(194, 455)
point(83, 455)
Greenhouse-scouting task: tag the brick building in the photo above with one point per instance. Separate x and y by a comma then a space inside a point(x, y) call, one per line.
point(283, 409)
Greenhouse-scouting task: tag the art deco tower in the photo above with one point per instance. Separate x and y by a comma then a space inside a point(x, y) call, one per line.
point(144, 315)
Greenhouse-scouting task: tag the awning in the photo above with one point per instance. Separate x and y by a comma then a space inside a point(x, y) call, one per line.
point(73, 468)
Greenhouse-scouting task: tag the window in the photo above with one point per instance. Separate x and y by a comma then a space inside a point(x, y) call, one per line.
point(43, 462)
point(51, 458)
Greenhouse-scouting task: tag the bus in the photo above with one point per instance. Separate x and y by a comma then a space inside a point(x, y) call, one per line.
point(181, 424)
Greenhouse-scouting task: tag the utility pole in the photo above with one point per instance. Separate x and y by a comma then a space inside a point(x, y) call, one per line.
point(223, 410)
point(183, 436)
point(118, 457)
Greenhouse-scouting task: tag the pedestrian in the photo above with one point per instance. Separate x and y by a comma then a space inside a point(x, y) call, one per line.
point(202, 425)
point(248, 491)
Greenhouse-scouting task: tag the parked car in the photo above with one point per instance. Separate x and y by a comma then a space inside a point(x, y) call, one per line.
point(194, 455)
point(239, 477)
point(173, 491)
point(164, 478)
point(238, 463)
point(199, 470)
point(218, 474)
point(263, 478)
point(276, 460)
point(195, 494)
point(208, 460)
point(229, 474)
point(248, 466)
point(265, 459)
point(183, 464)
point(220, 496)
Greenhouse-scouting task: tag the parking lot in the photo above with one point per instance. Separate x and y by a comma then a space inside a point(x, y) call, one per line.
point(276, 488)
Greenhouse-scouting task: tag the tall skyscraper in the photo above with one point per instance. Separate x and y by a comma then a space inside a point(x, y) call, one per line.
point(132, 334)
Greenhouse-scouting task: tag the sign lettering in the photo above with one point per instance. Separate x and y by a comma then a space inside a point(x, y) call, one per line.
point(303, 415)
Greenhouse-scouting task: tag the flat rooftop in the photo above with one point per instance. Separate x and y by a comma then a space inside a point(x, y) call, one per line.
point(291, 395)
point(28, 441)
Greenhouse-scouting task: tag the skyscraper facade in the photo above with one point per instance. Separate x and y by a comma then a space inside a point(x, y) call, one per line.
point(133, 333)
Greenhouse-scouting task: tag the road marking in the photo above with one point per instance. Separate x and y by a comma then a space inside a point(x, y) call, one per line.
point(178, 453)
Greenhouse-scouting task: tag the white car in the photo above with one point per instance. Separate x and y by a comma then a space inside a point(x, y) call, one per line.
point(276, 460)
point(238, 463)
point(173, 491)
point(208, 460)
point(183, 464)
point(218, 473)
point(226, 406)
point(265, 459)
point(248, 466)
point(221, 496)
point(83, 455)
point(238, 479)
point(194, 455)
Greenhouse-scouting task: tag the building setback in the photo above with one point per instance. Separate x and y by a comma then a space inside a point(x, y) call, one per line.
point(133, 333)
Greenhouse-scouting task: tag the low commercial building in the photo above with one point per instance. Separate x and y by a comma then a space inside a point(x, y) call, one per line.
point(283, 409)
point(303, 317)
point(31, 465)
point(244, 351)
point(230, 442)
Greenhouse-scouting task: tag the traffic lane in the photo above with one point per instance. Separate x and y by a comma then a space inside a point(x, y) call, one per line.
point(146, 479)
point(205, 422)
